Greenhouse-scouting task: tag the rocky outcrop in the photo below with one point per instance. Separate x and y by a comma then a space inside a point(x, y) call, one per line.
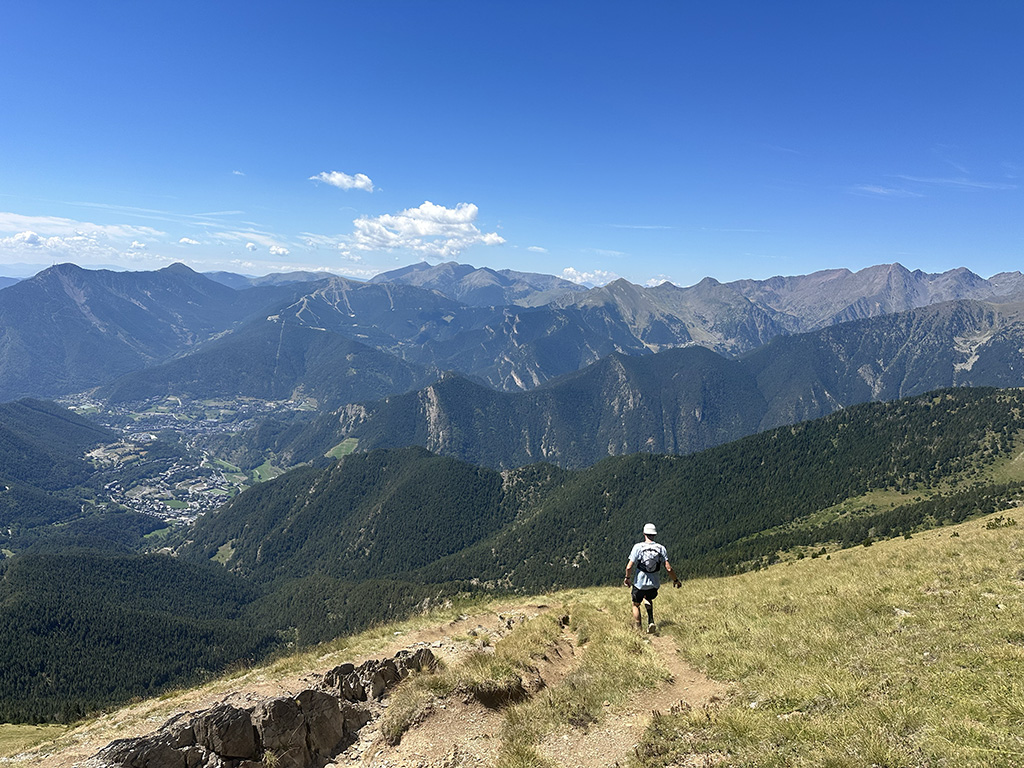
point(301, 731)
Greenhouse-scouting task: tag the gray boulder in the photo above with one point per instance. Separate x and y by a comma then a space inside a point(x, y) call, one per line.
point(328, 721)
point(282, 730)
point(228, 731)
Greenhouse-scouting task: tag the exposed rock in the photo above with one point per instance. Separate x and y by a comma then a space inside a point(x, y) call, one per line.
point(282, 729)
point(328, 721)
point(300, 732)
point(228, 731)
point(146, 752)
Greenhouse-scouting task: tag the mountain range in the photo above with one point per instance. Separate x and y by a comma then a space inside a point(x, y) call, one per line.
point(688, 399)
point(404, 359)
point(410, 515)
point(67, 329)
point(329, 548)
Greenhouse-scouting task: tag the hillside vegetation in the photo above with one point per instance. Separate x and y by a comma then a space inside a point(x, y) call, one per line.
point(726, 509)
point(909, 652)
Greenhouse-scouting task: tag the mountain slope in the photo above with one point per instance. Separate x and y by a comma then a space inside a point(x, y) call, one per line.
point(42, 444)
point(511, 348)
point(68, 329)
point(322, 550)
point(737, 317)
point(363, 518)
point(875, 655)
point(740, 503)
point(42, 449)
point(963, 343)
point(82, 630)
point(679, 401)
point(274, 360)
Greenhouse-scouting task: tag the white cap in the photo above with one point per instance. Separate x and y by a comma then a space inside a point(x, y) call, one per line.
point(650, 530)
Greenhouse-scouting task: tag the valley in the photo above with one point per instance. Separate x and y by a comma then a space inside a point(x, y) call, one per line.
point(195, 482)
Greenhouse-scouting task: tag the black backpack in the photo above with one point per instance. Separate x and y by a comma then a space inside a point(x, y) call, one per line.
point(649, 559)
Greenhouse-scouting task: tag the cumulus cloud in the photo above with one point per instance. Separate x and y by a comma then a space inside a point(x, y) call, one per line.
point(55, 239)
point(277, 250)
point(657, 280)
point(82, 247)
point(188, 241)
point(595, 277)
point(251, 247)
point(344, 181)
point(429, 231)
point(28, 238)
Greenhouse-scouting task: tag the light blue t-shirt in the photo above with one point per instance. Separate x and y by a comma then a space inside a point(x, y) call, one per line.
point(642, 579)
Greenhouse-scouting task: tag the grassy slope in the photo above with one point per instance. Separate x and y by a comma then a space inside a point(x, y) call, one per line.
point(898, 654)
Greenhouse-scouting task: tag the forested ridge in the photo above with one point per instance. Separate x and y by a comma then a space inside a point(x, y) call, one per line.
point(41, 444)
point(82, 629)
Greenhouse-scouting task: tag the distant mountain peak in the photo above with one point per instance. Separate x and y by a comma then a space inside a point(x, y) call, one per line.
point(481, 286)
point(177, 268)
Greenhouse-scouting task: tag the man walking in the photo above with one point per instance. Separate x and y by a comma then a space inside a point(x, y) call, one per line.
point(647, 556)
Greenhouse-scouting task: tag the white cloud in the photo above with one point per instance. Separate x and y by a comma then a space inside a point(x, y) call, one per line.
point(537, 249)
point(595, 277)
point(875, 190)
point(657, 280)
point(28, 238)
point(53, 226)
point(344, 181)
point(429, 231)
point(277, 250)
point(188, 241)
point(251, 247)
point(80, 248)
point(54, 239)
point(238, 173)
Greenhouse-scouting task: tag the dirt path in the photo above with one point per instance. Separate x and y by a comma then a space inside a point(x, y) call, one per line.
point(613, 739)
point(464, 734)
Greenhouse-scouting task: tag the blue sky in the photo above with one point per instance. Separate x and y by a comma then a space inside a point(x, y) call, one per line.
point(647, 140)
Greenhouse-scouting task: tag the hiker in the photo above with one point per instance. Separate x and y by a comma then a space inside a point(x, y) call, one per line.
point(647, 556)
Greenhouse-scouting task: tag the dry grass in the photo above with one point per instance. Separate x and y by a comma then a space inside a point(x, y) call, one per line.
point(907, 653)
point(18, 738)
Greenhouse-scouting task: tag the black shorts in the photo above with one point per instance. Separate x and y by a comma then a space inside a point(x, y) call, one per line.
point(639, 595)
